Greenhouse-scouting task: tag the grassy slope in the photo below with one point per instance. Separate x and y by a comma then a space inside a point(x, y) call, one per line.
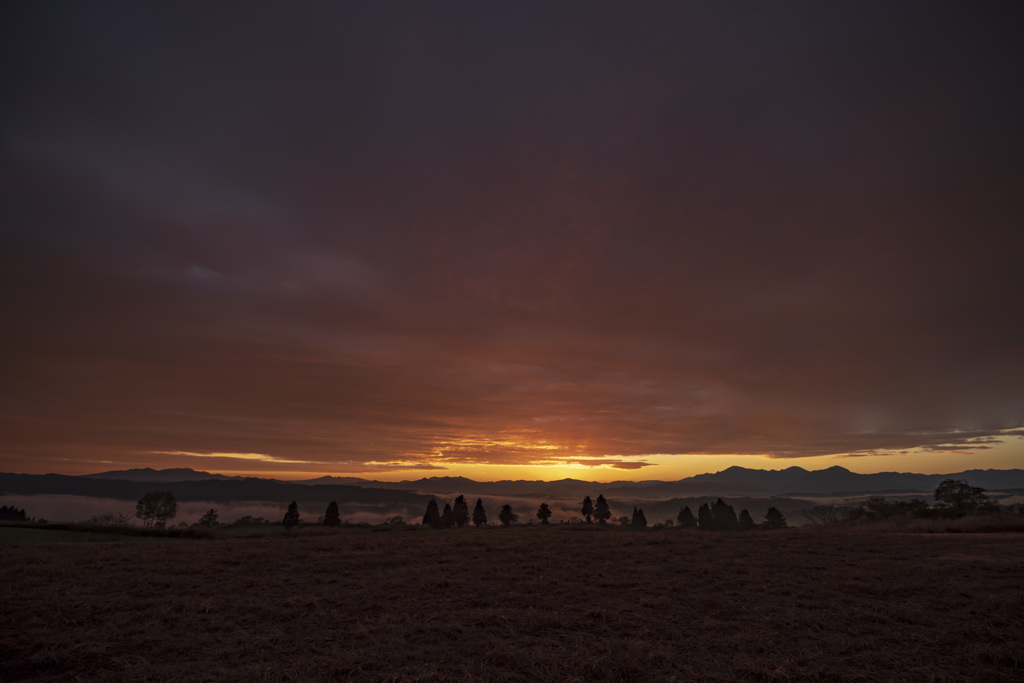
point(536, 604)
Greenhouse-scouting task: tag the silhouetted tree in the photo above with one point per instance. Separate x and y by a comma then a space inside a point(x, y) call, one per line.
point(331, 516)
point(9, 513)
point(432, 517)
point(447, 520)
point(602, 513)
point(506, 516)
point(479, 516)
point(725, 516)
point(639, 521)
point(746, 522)
point(705, 518)
point(823, 514)
point(623, 521)
point(686, 518)
point(877, 509)
point(249, 520)
point(291, 517)
point(209, 518)
point(543, 512)
point(110, 519)
point(959, 498)
point(773, 519)
point(460, 512)
point(156, 507)
point(588, 508)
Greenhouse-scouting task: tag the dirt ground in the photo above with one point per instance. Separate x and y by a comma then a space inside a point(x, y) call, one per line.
point(523, 604)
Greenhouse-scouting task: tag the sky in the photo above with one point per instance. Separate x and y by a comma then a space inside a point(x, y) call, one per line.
point(511, 240)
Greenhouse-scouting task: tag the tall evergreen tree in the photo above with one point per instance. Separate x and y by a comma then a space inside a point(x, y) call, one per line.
point(588, 508)
point(506, 516)
point(602, 513)
point(746, 521)
point(479, 516)
point(773, 519)
point(639, 520)
point(686, 519)
point(447, 519)
point(725, 516)
point(705, 518)
point(432, 517)
point(543, 512)
point(331, 516)
point(460, 512)
point(291, 517)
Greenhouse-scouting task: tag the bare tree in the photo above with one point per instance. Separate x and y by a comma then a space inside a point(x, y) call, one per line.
point(156, 507)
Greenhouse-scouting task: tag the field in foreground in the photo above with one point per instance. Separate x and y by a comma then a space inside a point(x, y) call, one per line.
point(529, 604)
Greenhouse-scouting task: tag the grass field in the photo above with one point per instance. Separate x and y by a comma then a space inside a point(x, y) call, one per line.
point(522, 604)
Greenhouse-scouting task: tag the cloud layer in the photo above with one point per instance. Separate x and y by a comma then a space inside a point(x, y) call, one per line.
point(362, 236)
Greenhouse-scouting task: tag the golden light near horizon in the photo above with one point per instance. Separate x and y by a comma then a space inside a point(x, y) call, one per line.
point(1007, 453)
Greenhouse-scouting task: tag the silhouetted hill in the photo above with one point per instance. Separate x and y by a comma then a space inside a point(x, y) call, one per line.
point(152, 475)
point(734, 481)
point(214, 490)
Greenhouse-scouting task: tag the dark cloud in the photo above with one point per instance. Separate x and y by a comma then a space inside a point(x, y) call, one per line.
point(615, 464)
point(364, 234)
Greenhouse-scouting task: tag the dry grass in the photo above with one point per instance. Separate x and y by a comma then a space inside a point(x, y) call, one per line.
point(529, 604)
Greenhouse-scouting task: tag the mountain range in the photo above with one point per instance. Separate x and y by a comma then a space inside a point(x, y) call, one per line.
point(734, 481)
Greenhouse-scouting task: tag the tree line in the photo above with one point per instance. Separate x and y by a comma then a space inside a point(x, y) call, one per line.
point(718, 517)
point(953, 499)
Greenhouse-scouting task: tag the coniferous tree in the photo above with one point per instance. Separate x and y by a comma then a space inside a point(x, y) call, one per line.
point(506, 516)
point(746, 521)
point(543, 512)
point(332, 517)
point(725, 516)
point(479, 516)
point(602, 513)
point(705, 518)
point(447, 519)
point(639, 520)
point(9, 513)
point(686, 519)
point(588, 508)
point(460, 512)
point(291, 518)
point(432, 517)
point(209, 518)
point(773, 519)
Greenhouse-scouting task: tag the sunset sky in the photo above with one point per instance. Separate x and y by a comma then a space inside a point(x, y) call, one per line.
point(511, 240)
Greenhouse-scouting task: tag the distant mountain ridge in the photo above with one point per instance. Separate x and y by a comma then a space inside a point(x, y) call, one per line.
point(151, 475)
point(227, 490)
point(733, 481)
